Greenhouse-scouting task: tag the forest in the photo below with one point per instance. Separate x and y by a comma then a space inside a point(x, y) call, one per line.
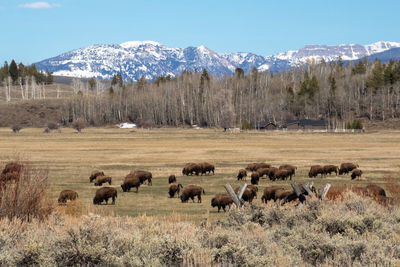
point(335, 91)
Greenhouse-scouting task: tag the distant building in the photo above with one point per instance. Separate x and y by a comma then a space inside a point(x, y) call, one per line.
point(306, 124)
point(265, 125)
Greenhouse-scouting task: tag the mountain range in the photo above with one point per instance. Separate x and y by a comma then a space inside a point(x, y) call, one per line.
point(151, 59)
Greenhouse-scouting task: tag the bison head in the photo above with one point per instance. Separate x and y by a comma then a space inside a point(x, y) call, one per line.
point(184, 198)
point(124, 187)
point(96, 201)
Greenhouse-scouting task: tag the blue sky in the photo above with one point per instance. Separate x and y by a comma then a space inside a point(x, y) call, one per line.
point(32, 31)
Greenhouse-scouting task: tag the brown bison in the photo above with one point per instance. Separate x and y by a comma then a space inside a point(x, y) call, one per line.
point(129, 182)
point(172, 179)
point(207, 168)
point(251, 167)
point(292, 169)
point(315, 170)
point(12, 171)
point(143, 176)
point(103, 194)
point(375, 190)
point(262, 172)
point(242, 174)
point(271, 173)
point(190, 191)
point(356, 173)
point(100, 180)
point(67, 195)
point(328, 169)
point(255, 178)
point(249, 193)
point(282, 194)
point(282, 174)
point(221, 201)
point(94, 175)
point(269, 193)
point(255, 166)
point(191, 168)
point(173, 189)
point(345, 168)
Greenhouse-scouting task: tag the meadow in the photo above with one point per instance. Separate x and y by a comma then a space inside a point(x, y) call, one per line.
point(71, 156)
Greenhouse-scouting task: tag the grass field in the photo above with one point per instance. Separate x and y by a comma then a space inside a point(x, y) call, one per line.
point(71, 157)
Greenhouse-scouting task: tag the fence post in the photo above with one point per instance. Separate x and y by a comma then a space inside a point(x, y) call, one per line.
point(235, 199)
point(325, 191)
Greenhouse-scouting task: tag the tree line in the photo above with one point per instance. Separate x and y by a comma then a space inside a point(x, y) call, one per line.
point(28, 79)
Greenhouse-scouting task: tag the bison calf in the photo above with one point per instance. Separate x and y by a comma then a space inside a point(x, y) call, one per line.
point(221, 201)
point(100, 180)
point(173, 189)
point(356, 173)
point(67, 195)
point(103, 194)
point(190, 191)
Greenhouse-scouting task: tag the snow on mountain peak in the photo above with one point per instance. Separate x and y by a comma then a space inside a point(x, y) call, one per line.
point(135, 44)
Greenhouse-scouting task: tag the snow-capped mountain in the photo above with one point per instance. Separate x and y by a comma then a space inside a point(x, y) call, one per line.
point(151, 59)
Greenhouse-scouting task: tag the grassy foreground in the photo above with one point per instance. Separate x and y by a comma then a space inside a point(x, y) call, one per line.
point(71, 157)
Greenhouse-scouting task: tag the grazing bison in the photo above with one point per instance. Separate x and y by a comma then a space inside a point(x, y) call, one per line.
point(242, 174)
point(251, 167)
point(292, 169)
point(282, 194)
point(173, 189)
point(191, 168)
point(255, 178)
point(262, 172)
point(375, 190)
point(269, 193)
point(67, 195)
point(221, 201)
point(249, 193)
point(315, 170)
point(271, 173)
point(172, 179)
point(143, 176)
point(103, 194)
point(190, 191)
point(94, 175)
point(345, 168)
point(356, 173)
point(282, 174)
point(328, 169)
point(255, 166)
point(12, 171)
point(100, 180)
point(129, 182)
point(207, 168)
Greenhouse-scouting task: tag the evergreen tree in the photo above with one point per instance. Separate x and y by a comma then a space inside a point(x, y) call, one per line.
point(376, 79)
point(13, 71)
point(114, 80)
point(92, 83)
point(120, 81)
point(239, 73)
point(389, 74)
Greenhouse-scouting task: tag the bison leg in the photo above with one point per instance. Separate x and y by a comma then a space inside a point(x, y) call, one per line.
point(223, 207)
point(106, 201)
point(113, 200)
point(219, 207)
point(137, 189)
point(199, 198)
point(192, 197)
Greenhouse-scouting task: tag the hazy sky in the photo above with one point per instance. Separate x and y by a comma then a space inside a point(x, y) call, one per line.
point(32, 31)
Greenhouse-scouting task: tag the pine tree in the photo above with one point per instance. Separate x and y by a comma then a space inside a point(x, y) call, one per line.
point(13, 71)
point(376, 79)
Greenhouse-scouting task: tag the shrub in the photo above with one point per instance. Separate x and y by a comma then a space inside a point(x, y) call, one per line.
point(53, 126)
point(355, 124)
point(247, 125)
point(16, 128)
point(79, 124)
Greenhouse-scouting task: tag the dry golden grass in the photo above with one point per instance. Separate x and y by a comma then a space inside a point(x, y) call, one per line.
point(71, 157)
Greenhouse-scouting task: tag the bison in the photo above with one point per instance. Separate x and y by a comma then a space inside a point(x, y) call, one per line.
point(251, 167)
point(100, 180)
point(255, 178)
point(103, 194)
point(143, 176)
point(375, 190)
point(173, 189)
point(172, 179)
point(94, 175)
point(206, 168)
point(242, 174)
point(255, 166)
point(221, 201)
point(292, 169)
point(328, 169)
point(283, 194)
point(269, 193)
point(356, 173)
point(67, 195)
point(315, 170)
point(345, 168)
point(249, 193)
point(271, 173)
point(282, 174)
point(12, 171)
point(129, 182)
point(190, 191)
point(262, 172)
point(191, 168)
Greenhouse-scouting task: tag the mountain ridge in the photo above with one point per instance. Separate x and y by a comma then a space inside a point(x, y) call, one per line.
point(151, 59)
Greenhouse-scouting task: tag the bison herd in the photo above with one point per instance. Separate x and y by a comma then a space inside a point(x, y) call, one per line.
point(275, 193)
